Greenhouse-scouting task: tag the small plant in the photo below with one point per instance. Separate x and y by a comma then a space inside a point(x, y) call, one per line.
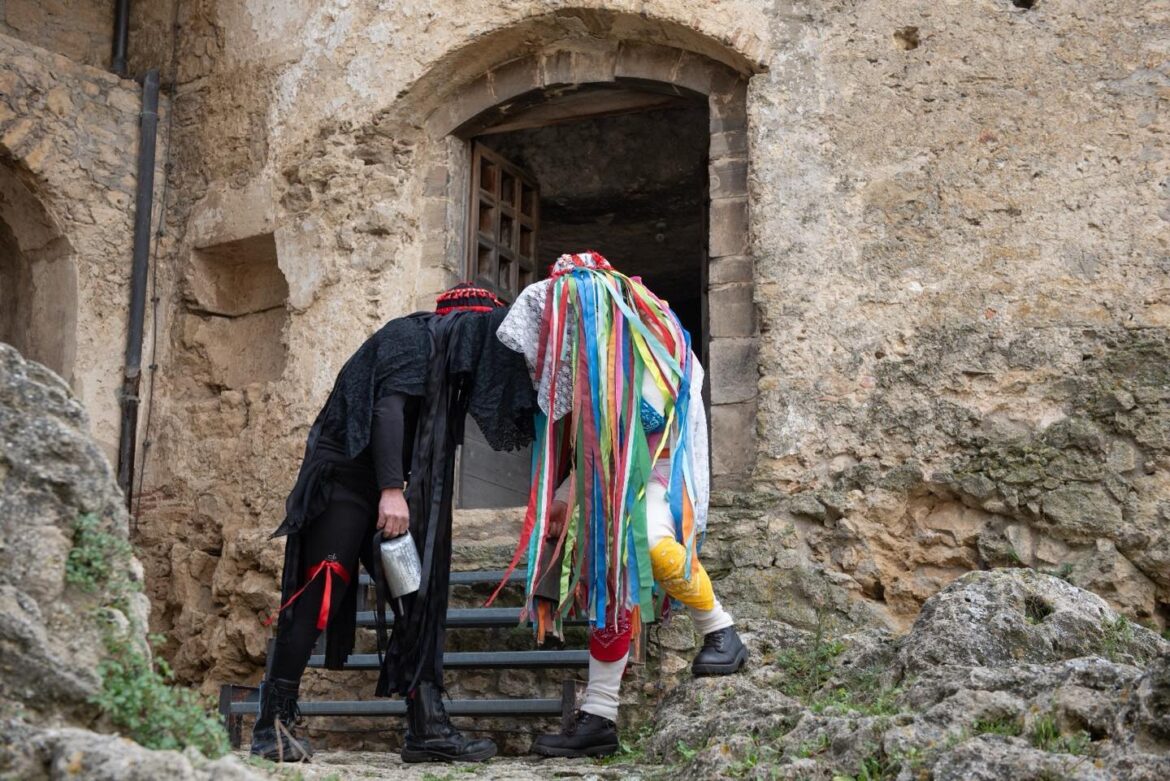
point(1045, 732)
point(874, 767)
point(136, 692)
point(1008, 726)
point(864, 694)
point(1046, 736)
point(98, 560)
point(742, 767)
point(814, 747)
point(1116, 636)
point(138, 697)
point(1036, 609)
point(685, 751)
point(633, 750)
point(810, 666)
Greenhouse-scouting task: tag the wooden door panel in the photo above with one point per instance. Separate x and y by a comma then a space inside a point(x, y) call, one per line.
point(501, 255)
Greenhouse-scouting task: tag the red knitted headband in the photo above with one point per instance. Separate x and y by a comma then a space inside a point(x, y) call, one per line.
point(465, 297)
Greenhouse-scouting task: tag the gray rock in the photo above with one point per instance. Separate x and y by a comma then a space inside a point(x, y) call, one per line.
point(988, 758)
point(1006, 674)
point(52, 473)
point(52, 631)
point(75, 754)
point(1082, 511)
point(1145, 719)
point(1006, 617)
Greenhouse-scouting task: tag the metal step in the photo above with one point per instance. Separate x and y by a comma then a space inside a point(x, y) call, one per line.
point(386, 707)
point(483, 660)
point(471, 578)
point(468, 618)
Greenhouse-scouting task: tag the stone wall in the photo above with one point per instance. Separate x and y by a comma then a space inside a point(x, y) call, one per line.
point(82, 30)
point(956, 261)
point(68, 145)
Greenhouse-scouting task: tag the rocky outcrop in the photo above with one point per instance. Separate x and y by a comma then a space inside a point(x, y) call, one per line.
point(72, 611)
point(80, 755)
point(1005, 674)
point(54, 480)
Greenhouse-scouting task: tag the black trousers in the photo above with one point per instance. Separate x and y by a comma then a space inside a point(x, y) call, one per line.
point(344, 530)
point(346, 525)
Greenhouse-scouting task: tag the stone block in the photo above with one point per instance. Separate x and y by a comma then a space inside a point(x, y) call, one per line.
point(728, 178)
point(693, 72)
point(514, 78)
point(465, 104)
point(645, 61)
point(578, 65)
point(435, 184)
point(733, 440)
point(733, 370)
point(735, 268)
point(728, 143)
point(732, 312)
point(729, 109)
point(729, 227)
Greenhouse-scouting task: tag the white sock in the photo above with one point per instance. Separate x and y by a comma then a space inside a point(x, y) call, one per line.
point(601, 693)
point(708, 621)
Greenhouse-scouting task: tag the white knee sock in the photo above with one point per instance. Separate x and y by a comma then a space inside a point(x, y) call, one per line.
point(601, 693)
point(708, 621)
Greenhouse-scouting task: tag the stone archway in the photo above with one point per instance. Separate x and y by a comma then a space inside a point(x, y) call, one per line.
point(38, 277)
point(458, 113)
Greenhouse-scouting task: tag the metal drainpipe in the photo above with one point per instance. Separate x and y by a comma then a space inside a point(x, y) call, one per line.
point(143, 205)
point(121, 36)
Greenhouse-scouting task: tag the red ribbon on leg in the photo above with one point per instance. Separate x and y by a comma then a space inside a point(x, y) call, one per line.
point(330, 567)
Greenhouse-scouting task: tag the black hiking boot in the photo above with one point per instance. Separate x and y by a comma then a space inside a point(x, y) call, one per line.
point(274, 736)
point(723, 653)
point(430, 737)
point(588, 736)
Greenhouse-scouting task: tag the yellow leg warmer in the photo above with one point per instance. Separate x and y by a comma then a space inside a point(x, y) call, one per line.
point(668, 559)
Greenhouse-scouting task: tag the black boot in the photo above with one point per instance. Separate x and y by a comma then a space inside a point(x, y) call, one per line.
point(723, 653)
point(274, 735)
point(588, 736)
point(430, 737)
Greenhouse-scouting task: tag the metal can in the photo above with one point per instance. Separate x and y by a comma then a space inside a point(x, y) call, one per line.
point(400, 565)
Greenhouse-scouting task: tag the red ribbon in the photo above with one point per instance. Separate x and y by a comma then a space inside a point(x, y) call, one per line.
point(330, 567)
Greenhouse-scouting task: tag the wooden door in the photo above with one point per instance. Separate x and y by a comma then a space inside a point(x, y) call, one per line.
point(503, 219)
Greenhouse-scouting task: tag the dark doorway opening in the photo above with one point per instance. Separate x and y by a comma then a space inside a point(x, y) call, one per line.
point(617, 170)
point(38, 278)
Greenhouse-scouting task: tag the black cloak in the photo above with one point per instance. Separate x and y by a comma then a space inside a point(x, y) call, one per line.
point(457, 366)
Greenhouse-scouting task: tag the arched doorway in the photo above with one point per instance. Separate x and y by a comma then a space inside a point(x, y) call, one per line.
point(38, 278)
point(617, 169)
point(541, 114)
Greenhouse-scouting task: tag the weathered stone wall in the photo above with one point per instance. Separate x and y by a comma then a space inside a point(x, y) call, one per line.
point(68, 145)
point(82, 30)
point(960, 234)
point(957, 247)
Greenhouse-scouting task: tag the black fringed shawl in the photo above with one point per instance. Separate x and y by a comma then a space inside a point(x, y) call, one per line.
point(458, 367)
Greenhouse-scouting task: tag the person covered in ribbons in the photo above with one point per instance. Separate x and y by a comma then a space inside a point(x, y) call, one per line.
point(620, 484)
point(380, 461)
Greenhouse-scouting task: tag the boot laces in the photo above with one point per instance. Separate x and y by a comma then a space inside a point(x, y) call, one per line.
point(716, 640)
point(581, 718)
point(289, 713)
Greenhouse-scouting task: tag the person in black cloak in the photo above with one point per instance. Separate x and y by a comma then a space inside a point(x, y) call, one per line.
point(379, 461)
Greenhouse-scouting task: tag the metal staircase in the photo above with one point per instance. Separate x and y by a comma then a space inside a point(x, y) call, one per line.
point(237, 702)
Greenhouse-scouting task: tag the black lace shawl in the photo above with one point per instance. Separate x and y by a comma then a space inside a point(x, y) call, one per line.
point(458, 367)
